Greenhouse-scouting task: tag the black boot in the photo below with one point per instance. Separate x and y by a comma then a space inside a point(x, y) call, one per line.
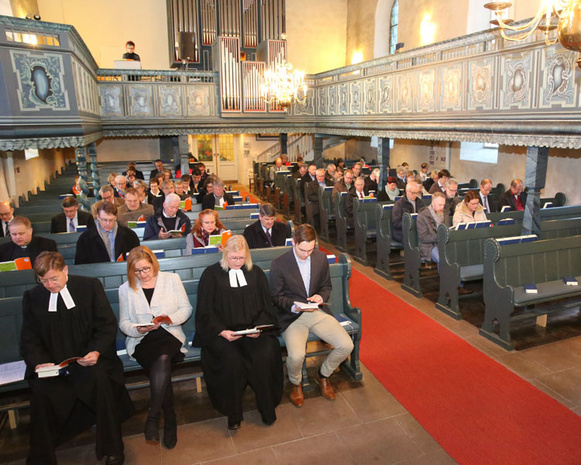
point(170, 430)
point(152, 427)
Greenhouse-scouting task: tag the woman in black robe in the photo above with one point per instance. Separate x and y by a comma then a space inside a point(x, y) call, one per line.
point(64, 317)
point(234, 295)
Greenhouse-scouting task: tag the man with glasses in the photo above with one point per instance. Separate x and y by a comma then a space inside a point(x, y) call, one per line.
point(169, 218)
point(266, 232)
point(71, 218)
point(452, 198)
point(6, 215)
point(133, 209)
point(411, 202)
point(108, 242)
point(68, 316)
point(23, 243)
point(107, 194)
point(302, 275)
point(218, 197)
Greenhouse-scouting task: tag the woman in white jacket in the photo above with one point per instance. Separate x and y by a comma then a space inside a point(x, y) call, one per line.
point(469, 210)
point(152, 307)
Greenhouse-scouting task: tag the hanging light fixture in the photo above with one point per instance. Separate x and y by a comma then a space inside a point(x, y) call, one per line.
point(283, 85)
point(561, 15)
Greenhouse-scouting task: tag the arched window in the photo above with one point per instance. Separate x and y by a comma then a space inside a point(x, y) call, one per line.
point(393, 27)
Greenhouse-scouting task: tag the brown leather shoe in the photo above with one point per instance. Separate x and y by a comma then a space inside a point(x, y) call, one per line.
point(326, 388)
point(296, 395)
point(464, 291)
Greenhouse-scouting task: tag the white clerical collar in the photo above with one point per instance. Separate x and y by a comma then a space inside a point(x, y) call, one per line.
point(65, 294)
point(237, 278)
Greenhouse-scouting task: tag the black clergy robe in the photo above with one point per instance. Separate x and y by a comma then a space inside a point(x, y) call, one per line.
point(230, 366)
point(63, 406)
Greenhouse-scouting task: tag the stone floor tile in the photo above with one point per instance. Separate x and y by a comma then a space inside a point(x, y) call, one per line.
point(327, 448)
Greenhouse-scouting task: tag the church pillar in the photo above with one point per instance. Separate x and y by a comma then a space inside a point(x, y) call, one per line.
point(283, 144)
point(10, 177)
point(383, 154)
point(81, 158)
point(318, 151)
point(536, 175)
point(184, 153)
point(92, 149)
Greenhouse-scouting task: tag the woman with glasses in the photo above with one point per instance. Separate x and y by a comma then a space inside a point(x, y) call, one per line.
point(208, 224)
point(234, 295)
point(152, 307)
point(469, 210)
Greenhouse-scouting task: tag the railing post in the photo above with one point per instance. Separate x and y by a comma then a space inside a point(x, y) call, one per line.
point(535, 177)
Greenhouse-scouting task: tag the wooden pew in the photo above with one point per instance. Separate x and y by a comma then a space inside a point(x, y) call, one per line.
point(508, 268)
point(279, 186)
point(327, 214)
point(462, 255)
point(298, 201)
point(365, 226)
point(385, 244)
point(341, 221)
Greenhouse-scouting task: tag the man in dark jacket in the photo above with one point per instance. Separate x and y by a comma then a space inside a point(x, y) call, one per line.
point(169, 218)
point(23, 243)
point(515, 198)
point(411, 202)
point(71, 218)
point(108, 242)
point(266, 232)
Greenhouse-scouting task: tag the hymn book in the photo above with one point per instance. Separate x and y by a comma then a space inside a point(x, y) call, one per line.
point(255, 330)
point(54, 370)
point(22, 263)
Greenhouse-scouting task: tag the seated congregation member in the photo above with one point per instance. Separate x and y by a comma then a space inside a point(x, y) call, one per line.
point(159, 169)
point(120, 186)
point(108, 242)
point(218, 198)
point(68, 316)
point(469, 210)
point(159, 298)
point(302, 275)
point(439, 185)
point(141, 187)
point(133, 209)
point(155, 196)
point(484, 196)
point(107, 195)
point(76, 189)
point(514, 197)
point(169, 218)
point(23, 243)
point(310, 176)
point(70, 218)
point(312, 195)
point(433, 178)
point(424, 174)
point(167, 187)
point(343, 185)
point(131, 166)
point(208, 224)
point(400, 174)
point(234, 295)
point(452, 197)
point(409, 203)
point(357, 191)
point(357, 168)
point(6, 216)
point(427, 224)
point(266, 231)
point(179, 190)
point(390, 191)
point(331, 176)
point(371, 181)
point(196, 184)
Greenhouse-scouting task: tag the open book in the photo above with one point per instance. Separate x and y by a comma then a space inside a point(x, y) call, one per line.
point(53, 370)
point(220, 239)
point(255, 330)
point(16, 265)
point(307, 306)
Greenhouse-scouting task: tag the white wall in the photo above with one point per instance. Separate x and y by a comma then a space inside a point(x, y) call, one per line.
point(134, 149)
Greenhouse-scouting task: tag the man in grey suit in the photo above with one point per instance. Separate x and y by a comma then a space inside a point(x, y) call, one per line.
point(302, 275)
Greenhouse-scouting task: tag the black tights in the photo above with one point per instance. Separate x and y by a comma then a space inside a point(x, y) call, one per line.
point(161, 389)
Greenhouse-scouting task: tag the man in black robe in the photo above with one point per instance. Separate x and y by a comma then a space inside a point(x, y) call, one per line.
point(23, 243)
point(63, 317)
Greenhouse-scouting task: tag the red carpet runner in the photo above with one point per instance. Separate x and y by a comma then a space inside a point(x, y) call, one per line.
point(479, 412)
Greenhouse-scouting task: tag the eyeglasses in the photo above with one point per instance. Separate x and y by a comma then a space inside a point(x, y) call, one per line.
point(143, 270)
point(44, 282)
point(236, 259)
point(416, 192)
point(107, 220)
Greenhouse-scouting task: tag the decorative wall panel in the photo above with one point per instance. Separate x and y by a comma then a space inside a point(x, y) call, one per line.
point(41, 81)
point(200, 101)
point(333, 100)
point(517, 81)
point(370, 93)
point(111, 100)
point(343, 99)
point(480, 84)
point(557, 78)
point(452, 88)
point(427, 91)
point(405, 92)
point(141, 100)
point(170, 100)
point(356, 98)
point(386, 94)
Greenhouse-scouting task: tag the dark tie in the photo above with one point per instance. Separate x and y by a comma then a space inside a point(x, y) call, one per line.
point(268, 236)
point(6, 228)
point(72, 226)
point(486, 209)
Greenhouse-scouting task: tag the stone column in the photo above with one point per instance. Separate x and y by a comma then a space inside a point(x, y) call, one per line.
point(536, 175)
point(81, 158)
point(318, 151)
point(184, 154)
point(92, 149)
point(10, 177)
point(383, 154)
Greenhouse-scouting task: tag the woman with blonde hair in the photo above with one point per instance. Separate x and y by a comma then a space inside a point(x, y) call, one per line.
point(234, 295)
point(207, 224)
point(152, 307)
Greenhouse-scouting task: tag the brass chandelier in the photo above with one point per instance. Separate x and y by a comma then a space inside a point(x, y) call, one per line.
point(561, 15)
point(283, 85)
